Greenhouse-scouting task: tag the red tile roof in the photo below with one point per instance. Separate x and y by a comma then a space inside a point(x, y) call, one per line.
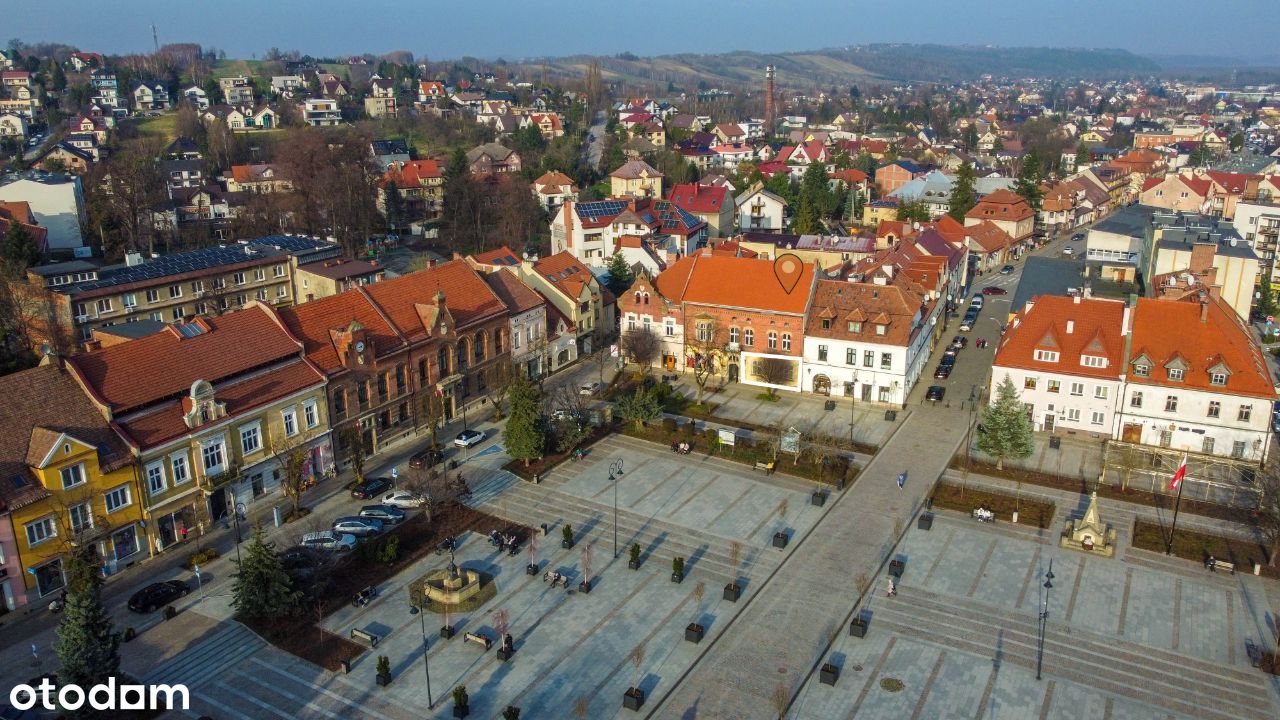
point(698, 198)
point(1001, 205)
point(314, 322)
point(414, 173)
point(517, 296)
point(142, 371)
point(988, 236)
point(1233, 183)
point(701, 279)
point(568, 273)
point(468, 298)
point(1042, 325)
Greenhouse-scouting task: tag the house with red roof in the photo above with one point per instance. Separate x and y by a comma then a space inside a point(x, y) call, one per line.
point(1007, 210)
point(712, 205)
point(420, 185)
point(581, 302)
point(553, 189)
point(1183, 193)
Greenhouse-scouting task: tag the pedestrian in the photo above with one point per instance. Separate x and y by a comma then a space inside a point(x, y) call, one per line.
point(1212, 564)
point(902, 480)
point(893, 589)
point(183, 531)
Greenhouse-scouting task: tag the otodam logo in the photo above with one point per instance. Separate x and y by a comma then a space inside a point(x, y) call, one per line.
point(105, 696)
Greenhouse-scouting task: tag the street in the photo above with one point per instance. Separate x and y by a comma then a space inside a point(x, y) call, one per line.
point(595, 140)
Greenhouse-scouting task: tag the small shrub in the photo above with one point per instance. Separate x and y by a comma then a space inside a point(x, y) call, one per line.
point(200, 557)
point(460, 697)
point(567, 533)
point(745, 443)
point(710, 434)
point(511, 713)
point(689, 429)
point(677, 566)
point(384, 665)
point(391, 550)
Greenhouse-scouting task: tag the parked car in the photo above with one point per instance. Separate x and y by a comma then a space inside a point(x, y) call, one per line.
point(943, 372)
point(993, 290)
point(358, 526)
point(1077, 237)
point(959, 342)
point(404, 499)
point(1006, 270)
point(328, 540)
point(469, 438)
point(387, 514)
point(967, 324)
point(589, 389)
point(157, 594)
point(370, 488)
point(948, 360)
point(1068, 251)
point(935, 393)
point(426, 458)
point(977, 300)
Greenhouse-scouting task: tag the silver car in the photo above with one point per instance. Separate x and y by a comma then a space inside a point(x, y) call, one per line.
point(385, 513)
point(358, 526)
point(328, 540)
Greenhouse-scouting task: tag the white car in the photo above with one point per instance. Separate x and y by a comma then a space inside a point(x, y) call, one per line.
point(977, 300)
point(1068, 251)
point(404, 499)
point(328, 540)
point(469, 438)
point(589, 389)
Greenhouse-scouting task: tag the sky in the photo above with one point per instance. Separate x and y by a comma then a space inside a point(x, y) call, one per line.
point(443, 29)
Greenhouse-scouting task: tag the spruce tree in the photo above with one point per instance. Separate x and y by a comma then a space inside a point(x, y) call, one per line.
point(18, 251)
point(262, 588)
point(1028, 183)
point(88, 646)
point(620, 275)
point(1082, 156)
point(963, 194)
point(523, 435)
point(1007, 426)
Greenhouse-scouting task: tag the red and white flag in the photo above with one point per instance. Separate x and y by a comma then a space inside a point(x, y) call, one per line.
point(1178, 476)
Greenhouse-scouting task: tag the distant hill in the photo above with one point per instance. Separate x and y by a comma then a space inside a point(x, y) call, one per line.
point(858, 64)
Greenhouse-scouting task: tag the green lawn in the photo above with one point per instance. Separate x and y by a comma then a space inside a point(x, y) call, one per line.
point(165, 126)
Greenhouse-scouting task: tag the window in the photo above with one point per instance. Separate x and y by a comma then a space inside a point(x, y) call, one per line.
point(153, 296)
point(1135, 400)
point(748, 337)
point(80, 517)
point(157, 317)
point(400, 380)
point(786, 341)
point(631, 323)
point(1047, 355)
point(259, 274)
point(156, 482)
point(175, 291)
point(1053, 386)
point(250, 438)
point(72, 476)
point(850, 356)
point(282, 292)
point(1246, 412)
point(1175, 373)
point(1073, 414)
point(668, 329)
point(1077, 389)
point(868, 358)
point(290, 418)
point(104, 305)
point(826, 323)
point(41, 530)
point(117, 498)
point(219, 283)
point(704, 332)
point(773, 340)
point(1093, 361)
point(1218, 379)
point(1029, 383)
point(310, 413)
point(197, 286)
point(822, 353)
point(1166, 438)
point(49, 578)
point(130, 301)
point(211, 454)
point(277, 271)
point(1171, 403)
point(199, 308)
point(1098, 418)
point(1237, 449)
point(177, 313)
point(855, 327)
point(880, 329)
point(1207, 446)
point(178, 464)
point(1100, 392)
point(1215, 408)
point(1142, 370)
point(238, 278)
point(261, 294)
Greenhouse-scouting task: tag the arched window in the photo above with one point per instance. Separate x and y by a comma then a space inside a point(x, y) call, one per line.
point(646, 298)
point(786, 341)
point(773, 340)
point(462, 356)
point(638, 296)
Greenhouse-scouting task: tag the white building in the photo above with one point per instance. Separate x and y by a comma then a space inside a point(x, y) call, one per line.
point(321, 112)
point(760, 211)
point(527, 320)
point(58, 204)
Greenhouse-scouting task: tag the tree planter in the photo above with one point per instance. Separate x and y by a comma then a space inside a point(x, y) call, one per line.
point(818, 498)
point(732, 592)
point(461, 711)
point(896, 567)
point(446, 632)
point(858, 628)
point(633, 564)
point(925, 521)
point(584, 587)
point(780, 539)
point(531, 569)
point(677, 577)
point(383, 680)
point(170, 612)
point(694, 632)
point(129, 634)
point(829, 674)
point(633, 698)
point(566, 544)
point(504, 654)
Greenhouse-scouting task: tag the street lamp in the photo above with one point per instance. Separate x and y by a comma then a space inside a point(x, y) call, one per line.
point(1044, 617)
point(426, 662)
point(615, 472)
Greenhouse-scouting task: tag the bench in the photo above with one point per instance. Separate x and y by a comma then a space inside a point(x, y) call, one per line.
point(1223, 565)
point(364, 597)
point(358, 634)
point(479, 639)
point(767, 467)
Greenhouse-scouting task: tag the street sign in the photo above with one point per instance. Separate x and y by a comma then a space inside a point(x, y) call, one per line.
point(613, 351)
point(727, 437)
point(395, 473)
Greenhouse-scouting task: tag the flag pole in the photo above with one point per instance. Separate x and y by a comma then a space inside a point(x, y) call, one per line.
point(1181, 478)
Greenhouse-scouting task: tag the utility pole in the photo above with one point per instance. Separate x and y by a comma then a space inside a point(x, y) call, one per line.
point(155, 37)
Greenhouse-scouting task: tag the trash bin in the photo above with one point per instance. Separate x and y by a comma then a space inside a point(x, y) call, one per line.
point(1055, 442)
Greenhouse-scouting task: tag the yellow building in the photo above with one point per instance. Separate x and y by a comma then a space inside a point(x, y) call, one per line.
point(67, 480)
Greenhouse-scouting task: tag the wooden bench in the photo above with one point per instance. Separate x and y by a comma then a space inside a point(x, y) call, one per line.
point(358, 634)
point(479, 639)
point(1223, 565)
point(767, 467)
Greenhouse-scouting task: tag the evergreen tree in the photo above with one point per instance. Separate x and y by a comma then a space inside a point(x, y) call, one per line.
point(639, 407)
point(1008, 428)
point(620, 275)
point(523, 434)
point(457, 167)
point(1027, 186)
point(914, 211)
point(780, 185)
point(971, 137)
point(262, 588)
point(1266, 303)
point(963, 195)
point(806, 220)
point(88, 646)
point(19, 249)
point(1082, 155)
point(392, 205)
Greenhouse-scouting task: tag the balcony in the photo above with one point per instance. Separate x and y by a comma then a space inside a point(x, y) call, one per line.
point(229, 474)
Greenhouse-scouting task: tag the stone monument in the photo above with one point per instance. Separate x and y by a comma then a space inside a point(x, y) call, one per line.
point(1089, 534)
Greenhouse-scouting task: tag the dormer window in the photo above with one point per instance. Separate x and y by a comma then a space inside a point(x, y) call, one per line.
point(855, 326)
point(826, 323)
point(1093, 361)
point(1047, 356)
point(880, 329)
point(1218, 379)
point(1142, 370)
point(1175, 374)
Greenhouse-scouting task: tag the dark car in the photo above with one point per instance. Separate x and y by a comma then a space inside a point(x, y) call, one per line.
point(157, 594)
point(1077, 237)
point(943, 372)
point(370, 488)
point(948, 360)
point(935, 393)
point(958, 342)
point(993, 290)
point(427, 458)
point(387, 514)
point(1006, 270)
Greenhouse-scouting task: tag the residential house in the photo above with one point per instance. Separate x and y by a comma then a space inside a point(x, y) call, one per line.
point(577, 295)
point(730, 156)
point(430, 90)
point(323, 278)
point(236, 90)
point(19, 214)
point(594, 231)
point(760, 211)
point(493, 158)
point(730, 134)
point(891, 176)
point(712, 205)
point(250, 118)
point(1180, 193)
point(257, 178)
point(197, 96)
point(420, 184)
point(13, 126)
point(1259, 221)
point(331, 87)
point(549, 124)
point(68, 481)
point(989, 245)
point(1214, 255)
point(381, 106)
point(553, 189)
point(321, 112)
point(222, 404)
point(527, 311)
point(104, 88)
point(389, 152)
point(933, 190)
point(1007, 211)
point(287, 85)
point(150, 96)
point(636, 178)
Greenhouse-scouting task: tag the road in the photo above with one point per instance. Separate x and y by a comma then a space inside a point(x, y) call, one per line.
point(594, 149)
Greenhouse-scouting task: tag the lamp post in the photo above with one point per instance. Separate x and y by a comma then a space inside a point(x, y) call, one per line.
point(615, 472)
point(426, 662)
point(1044, 617)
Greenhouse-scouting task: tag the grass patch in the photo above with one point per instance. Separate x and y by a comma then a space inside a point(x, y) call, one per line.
point(965, 499)
point(808, 467)
point(488, 589)
point(164, 125)
point(1106, 491)
point(766, 397)
point(1198, 546)
point(548, 462)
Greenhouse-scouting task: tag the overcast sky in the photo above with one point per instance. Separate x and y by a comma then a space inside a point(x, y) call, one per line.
point(443, 29)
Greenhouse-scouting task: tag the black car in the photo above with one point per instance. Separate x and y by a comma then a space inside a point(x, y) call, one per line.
point(157, 594)
point(427, 458)
point(370, 488)
point(935, 393)
point(947, 360)
point(958, 342)
point(943, 372)
point(1077, 237)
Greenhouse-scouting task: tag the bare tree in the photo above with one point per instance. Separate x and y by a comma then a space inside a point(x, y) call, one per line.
point(636, 656)
point(130, 185)
point(642, 347)
point(497, 380)
point(773, 371)
point(291, 454)
point(781, 699)
point(357, 453)
point(1267, 515)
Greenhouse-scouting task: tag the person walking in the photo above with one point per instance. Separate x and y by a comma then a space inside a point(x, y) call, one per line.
point(893, 589)
point(902, 480)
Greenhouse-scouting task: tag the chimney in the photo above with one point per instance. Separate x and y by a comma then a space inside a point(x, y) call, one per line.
point(1075, 298)
point(1071, 326)
point(1202, 255)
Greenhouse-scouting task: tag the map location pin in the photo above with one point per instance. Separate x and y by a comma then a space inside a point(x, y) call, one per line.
point(788, 268)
